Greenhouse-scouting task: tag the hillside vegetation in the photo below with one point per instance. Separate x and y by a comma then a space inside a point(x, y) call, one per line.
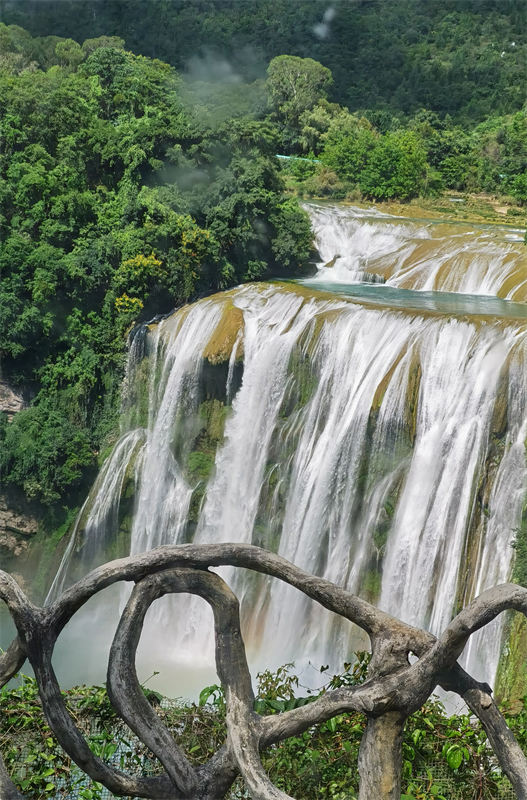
point(465, 58)
point(117, 202)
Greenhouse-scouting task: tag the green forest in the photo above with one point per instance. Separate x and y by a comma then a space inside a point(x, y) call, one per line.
point(118, 202)
point(465, 58)
point(138, 170)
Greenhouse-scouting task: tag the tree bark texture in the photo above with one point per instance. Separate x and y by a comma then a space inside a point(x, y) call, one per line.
point(380, 757)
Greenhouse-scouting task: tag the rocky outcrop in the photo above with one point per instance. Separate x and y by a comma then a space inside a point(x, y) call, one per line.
point(14, 523)
point(332, 261)
point(10, 401)
point(11, 545)
point(227, 335)
point(17, 528)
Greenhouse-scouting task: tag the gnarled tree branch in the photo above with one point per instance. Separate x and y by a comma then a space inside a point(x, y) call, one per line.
point(394, 689)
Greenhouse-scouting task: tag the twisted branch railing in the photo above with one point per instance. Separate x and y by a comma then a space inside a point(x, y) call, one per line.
point(394, 690)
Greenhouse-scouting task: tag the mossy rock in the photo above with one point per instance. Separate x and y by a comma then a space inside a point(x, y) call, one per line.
point(500, 414)
point(371, 585)
point(384, 383)
point(220, 345)
point(212, 414)
point(511, 684)
point(200, 465)
point(302, 388)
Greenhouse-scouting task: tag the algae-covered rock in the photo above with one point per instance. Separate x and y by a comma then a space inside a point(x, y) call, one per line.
point(227, 334)
point(500, 416)
point(332, 261)
point(371, 585)
point(412, 398)
point(211, 416)
point(511, 683)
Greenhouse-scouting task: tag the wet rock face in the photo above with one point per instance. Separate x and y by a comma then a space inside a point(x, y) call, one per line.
point(15, 527)
point(12, 545)
point(10, 401)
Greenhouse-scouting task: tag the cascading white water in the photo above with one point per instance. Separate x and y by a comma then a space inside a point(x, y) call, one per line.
point(164, 494)
point(507, 497)
point(381, 449)
point(461, 368)
point(98, 515)
point(330, 523)
point(367, 245)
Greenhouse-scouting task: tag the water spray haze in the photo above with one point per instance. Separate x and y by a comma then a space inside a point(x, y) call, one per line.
point(210, 67)
point(323, 29)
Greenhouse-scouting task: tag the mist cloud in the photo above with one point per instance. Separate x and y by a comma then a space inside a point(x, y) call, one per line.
point(323, 29)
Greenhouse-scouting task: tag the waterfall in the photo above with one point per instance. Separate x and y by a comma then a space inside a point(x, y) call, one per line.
point(369, 246)
point(383, 449)
point(164, 494)
point(98, 516)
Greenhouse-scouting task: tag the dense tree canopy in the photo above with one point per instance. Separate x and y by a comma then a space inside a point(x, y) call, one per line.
point(465, 58)
point(295, 85)
point(117, 202)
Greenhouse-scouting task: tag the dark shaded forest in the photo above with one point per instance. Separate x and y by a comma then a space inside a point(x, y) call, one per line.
point(465, 58)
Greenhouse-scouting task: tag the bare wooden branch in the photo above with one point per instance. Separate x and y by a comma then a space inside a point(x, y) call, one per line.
point(394, 689)
point(133, 568)
point(510, 755)
point(11, 661)
point(380, 757)
point(8, 790)
point(125, 691)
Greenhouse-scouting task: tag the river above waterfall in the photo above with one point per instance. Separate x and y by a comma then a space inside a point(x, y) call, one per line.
point(380, 294)
point(371, 433)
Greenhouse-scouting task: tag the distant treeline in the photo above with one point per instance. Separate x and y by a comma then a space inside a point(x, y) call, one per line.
point(465, 58)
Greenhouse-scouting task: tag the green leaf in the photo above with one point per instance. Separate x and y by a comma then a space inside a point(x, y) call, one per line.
point(417, 735)
point(206, 693)
point(331, 724)
point(454, 757)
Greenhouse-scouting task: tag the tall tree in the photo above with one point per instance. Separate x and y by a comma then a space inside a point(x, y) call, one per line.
point(295, 85)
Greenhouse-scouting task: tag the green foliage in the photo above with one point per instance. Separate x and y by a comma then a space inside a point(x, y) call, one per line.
point(39, 767)
point(383, 167)
point(420, 156)
point(396, 167)
point(347, 151)
point(465, 58)
point(138, 275)
point(213, 694)
point(295, 85)
point(517, 186)
point(292, 243)
point(200, 465)
point(443, 757)
point(44, 453)
point(519, 574)
point(116, 203)
point(125, 193)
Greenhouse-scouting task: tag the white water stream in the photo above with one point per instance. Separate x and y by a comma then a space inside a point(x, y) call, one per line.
point(368, 245)
point(379, 448)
